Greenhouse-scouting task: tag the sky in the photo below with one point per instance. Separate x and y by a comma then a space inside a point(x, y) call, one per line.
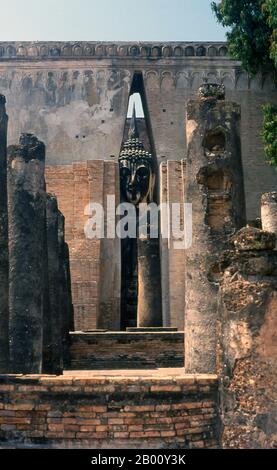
point(108, 20)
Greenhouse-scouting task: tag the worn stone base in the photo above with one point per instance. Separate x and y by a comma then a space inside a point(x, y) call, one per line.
point(150, 329)
point(136, 411)
point(126, 350)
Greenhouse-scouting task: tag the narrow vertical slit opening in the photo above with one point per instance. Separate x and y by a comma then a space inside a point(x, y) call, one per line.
point(138, 172)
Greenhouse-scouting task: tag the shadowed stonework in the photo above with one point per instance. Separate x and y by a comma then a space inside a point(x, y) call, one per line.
point(26, 203)
point(4, 257)
point(35, 329)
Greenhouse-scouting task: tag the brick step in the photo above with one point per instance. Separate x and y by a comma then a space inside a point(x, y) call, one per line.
point(126, 350)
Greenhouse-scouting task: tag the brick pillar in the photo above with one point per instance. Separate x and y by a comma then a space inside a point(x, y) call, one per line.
point(214, 186)
point(85, 253)
point(172, 260)
point(164, 248)
point(4, 257)
point(269, 212)
point(54, 314)
point(26, 206)
point(110, 257)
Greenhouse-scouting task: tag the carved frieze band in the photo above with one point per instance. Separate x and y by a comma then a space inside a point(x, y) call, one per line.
point(67, 50)
point(155, 78)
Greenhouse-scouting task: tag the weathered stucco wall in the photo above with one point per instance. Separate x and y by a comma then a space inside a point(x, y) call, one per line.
point(74, 97)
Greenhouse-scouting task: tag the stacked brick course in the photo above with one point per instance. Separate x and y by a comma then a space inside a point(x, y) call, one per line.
point(94, 263)
point(120, 350)
point(163, 412)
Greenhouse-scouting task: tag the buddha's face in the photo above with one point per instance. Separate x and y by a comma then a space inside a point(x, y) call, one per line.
point(136, 180)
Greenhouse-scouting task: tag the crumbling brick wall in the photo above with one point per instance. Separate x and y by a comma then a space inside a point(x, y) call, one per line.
point(248, 341)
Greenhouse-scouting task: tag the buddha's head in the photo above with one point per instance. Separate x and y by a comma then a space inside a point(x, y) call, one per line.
point(136, 168)
point(136, 177)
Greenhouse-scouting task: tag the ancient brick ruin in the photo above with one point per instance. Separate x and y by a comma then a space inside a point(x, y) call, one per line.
point(133, 342)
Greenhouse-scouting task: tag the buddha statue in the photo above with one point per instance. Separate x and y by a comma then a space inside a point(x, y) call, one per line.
point(140, 257)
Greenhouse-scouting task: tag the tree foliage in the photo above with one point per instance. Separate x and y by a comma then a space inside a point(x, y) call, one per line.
point(269, 133)
point(252, 39)
point(249, 31)
point(270, 8)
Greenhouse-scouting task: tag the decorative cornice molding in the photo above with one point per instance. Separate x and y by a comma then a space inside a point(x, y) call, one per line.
point(118, 50)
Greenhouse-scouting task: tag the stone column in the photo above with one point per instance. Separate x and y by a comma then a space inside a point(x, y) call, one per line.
point(4, 257)
point(269, 212)
point(54, 315)
point(26, 206)
point(149, 311)
point(214, 187)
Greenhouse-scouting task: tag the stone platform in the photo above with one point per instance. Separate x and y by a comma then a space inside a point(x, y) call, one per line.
point(103, 409)
point(126, 350)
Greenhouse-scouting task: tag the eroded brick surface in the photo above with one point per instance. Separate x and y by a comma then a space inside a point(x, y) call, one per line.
point(248, 340)
point(142, 411)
